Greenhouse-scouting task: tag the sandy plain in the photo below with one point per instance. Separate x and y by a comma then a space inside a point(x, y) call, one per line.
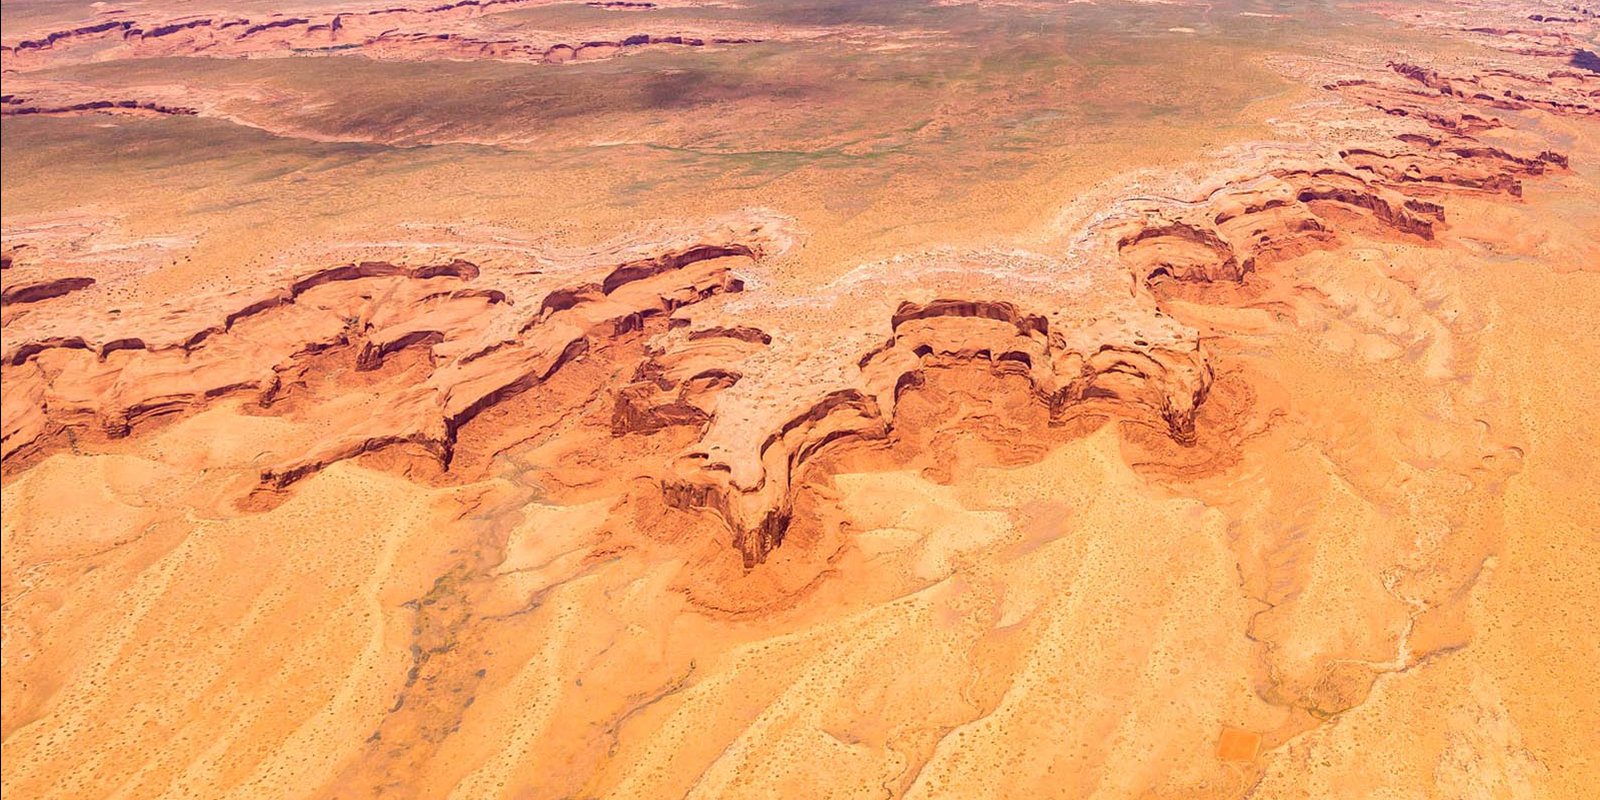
point(800, 399)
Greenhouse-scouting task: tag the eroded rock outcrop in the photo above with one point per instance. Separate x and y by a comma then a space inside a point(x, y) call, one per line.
point(1396, 186)
point(765, 388)
point(1560, 91)
point(1321, 360)
point(768, 394)
point(460, 30)
point(765, 382)
point(1246, 224)
point(43, 290)
point(486, 337)
point(16, 105)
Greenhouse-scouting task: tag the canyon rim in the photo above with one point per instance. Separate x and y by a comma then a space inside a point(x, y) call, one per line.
point(800, 398)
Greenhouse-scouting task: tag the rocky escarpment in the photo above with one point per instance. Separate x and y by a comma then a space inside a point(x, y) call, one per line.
point(1562, 91)
point(1400, 197)
point(1333, 370)
point(15, 105)
point(484, 344)
point(431, 346)
point(1397, 186)
point(1278, 215)
point(752, 487)
point(1537, 28)
point(1554, 69)
point(403, 46)
point(1285, 213)
point(769, 383)
point(763, 381)
point(462, 30)
point(767, 399)
point(39, 291)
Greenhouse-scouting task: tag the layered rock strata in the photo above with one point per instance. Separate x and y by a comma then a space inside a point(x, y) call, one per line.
point(766, 403)
point(765, 381)
point(460, 30)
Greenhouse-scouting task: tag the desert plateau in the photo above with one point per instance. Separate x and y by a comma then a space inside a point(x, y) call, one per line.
point(800, 399)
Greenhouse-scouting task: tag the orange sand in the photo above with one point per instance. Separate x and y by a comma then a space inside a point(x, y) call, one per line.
point(802, 400)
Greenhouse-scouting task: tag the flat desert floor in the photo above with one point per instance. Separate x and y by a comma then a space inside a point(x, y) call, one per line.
point(800, 398)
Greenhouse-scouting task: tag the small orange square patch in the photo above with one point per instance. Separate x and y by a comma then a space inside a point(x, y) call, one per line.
point(1237, 744)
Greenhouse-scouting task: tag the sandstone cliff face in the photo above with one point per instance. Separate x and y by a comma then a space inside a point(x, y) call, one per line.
point(16, 105)
point(1260, 445)
point(109, 373)
point(767, 402)
point(1398, 186)
point(459, 30)
point(767, 392)
point(766, 383)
